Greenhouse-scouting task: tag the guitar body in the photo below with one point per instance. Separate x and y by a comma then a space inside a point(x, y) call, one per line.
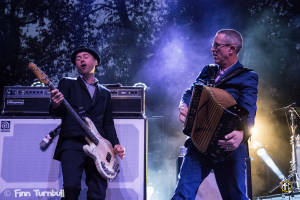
point(103, 154)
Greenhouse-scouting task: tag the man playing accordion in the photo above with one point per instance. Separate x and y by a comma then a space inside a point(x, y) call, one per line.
point(241, 83)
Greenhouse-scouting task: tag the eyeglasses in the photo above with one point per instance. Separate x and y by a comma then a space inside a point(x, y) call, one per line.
point(217, 45)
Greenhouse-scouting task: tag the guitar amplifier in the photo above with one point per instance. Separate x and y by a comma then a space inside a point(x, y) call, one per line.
point(25, 100)
point(127, 101)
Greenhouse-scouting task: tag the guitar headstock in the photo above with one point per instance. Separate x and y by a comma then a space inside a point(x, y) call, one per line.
point(39, 73)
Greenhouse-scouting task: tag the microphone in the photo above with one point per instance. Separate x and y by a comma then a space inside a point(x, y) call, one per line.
point(47, 140)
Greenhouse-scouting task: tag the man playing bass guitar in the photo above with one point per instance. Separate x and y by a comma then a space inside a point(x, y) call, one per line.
point(88, 98)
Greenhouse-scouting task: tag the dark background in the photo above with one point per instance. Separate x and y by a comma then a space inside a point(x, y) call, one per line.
point(164, 44)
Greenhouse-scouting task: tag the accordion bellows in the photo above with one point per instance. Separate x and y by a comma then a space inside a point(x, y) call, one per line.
point(211, 106)
point(212, 114)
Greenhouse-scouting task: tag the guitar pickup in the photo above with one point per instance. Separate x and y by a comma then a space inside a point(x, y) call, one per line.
point(108, 157)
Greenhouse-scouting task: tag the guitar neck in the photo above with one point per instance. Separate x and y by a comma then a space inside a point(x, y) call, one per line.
point(77, 118)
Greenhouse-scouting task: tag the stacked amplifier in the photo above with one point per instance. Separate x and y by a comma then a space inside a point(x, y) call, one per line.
point(128, 101)
point(25, 100)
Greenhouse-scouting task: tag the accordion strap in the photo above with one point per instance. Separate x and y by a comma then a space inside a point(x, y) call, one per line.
point(233, 74)
point(226, 78)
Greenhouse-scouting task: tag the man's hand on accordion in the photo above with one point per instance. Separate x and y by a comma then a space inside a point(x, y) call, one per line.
point(183, 110)
point(232, 140)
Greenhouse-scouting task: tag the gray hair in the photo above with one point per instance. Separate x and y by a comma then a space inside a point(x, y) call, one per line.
point(232, 37)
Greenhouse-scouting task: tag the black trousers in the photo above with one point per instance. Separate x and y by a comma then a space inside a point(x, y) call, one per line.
point(73, 163)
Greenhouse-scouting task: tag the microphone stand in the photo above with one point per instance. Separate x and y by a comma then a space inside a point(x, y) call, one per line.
point(290, 114)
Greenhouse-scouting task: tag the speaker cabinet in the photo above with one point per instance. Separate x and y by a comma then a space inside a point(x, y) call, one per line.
point(131, 181)
point(26, 172)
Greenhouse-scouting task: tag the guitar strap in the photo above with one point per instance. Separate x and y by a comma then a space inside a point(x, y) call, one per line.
point(81, 111)
point(84, 110)
point(230, 76)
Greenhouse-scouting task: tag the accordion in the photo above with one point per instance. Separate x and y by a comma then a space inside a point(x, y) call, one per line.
point(212, 114)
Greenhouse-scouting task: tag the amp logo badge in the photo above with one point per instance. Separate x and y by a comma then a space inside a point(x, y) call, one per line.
point(5, 126)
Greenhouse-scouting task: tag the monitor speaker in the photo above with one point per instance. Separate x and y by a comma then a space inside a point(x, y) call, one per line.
point(26, 172)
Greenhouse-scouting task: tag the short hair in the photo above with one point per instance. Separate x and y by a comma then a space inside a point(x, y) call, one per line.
point(233, 37)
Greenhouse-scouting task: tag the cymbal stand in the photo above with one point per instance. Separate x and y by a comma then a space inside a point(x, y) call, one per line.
point(291, 116)
point(293, 178)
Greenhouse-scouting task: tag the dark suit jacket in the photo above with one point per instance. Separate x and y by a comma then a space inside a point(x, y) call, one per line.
point(242, 87)
point(98, 109)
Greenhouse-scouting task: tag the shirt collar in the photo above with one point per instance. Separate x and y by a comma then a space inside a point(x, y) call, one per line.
point(223, 71)
point(94, 84)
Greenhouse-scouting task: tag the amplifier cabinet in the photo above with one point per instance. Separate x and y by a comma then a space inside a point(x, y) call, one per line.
point(25, 100)
point(25, 171)
point(131, 181)
point(28, 173)
point(128, 100)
